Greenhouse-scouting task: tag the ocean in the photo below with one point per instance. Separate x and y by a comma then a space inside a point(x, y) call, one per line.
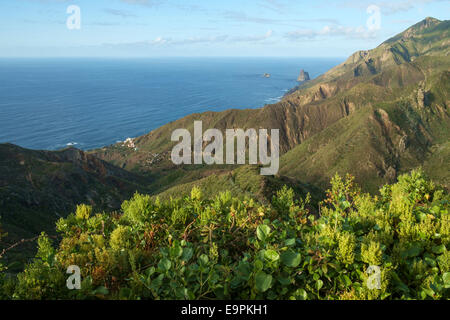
point(90, 103)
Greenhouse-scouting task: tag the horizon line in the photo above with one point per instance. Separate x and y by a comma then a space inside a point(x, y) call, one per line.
point(167, 57)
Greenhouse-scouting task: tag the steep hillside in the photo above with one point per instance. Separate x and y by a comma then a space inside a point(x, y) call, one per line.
point(38, 187)
point(406, 130)
point(381, 112)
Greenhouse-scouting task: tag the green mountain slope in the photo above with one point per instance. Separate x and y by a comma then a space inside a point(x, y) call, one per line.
point(39, 187)
point(381, 140)
point(242, 182)
point(381, 112)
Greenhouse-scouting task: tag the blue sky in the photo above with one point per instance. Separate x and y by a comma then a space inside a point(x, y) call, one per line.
point(154, 28)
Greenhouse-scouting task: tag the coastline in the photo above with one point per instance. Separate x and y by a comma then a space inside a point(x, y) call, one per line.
point(130, 107)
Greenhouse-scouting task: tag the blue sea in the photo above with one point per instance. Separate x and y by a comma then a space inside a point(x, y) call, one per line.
point(90, 103)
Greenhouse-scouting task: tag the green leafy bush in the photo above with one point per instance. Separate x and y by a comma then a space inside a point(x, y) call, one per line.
point(225, 248)
point(2, 272)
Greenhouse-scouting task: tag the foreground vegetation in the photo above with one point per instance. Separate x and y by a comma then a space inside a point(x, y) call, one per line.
point(226, 248)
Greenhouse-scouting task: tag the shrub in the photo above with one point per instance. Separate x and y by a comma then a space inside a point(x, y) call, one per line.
point(226, 248)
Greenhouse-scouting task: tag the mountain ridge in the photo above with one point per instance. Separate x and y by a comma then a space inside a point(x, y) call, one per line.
point(401, 70)
point(379, 114)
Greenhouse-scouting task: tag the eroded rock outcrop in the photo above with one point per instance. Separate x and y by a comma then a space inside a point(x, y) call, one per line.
point(304, 76)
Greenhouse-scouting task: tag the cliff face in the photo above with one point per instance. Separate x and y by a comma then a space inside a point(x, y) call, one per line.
point(304, 76)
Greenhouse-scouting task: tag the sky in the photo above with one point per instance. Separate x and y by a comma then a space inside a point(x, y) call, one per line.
point(203, 28)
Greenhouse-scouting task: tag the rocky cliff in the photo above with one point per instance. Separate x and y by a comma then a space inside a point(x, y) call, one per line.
point(304, 76)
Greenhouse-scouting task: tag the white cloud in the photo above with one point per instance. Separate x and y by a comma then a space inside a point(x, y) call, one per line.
point(195, 40)
point(160, 41)
point(331, 31)
point(163, 41)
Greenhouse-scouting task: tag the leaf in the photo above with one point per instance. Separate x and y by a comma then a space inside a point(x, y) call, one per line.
point(284, 281)
point(324, 269)
point(203, 259)
point(259, 265)
point(187, 254)
point(150, 271)
point(181, 293)
point(262, 232)
point(438, 249)
point(413, 251)
point(101, 290)
point(157, 282)
point(319, 284)
point(244, 270)
point(423, 295)
point(385, 295)
point(165, 264)
point(446, 278)
point(435, 209)
point(429, 292)
point(263, 281)
point(291, 258)
point(346, 204)
point(301, 294)
point(271, 255)
point(289, 242)
point(347, 280)
point(176, 251)
point(430, 261)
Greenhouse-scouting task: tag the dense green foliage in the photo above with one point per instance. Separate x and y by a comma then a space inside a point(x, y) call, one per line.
point(224, 247)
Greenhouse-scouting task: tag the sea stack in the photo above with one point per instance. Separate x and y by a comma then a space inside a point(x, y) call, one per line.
point(304, 76)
